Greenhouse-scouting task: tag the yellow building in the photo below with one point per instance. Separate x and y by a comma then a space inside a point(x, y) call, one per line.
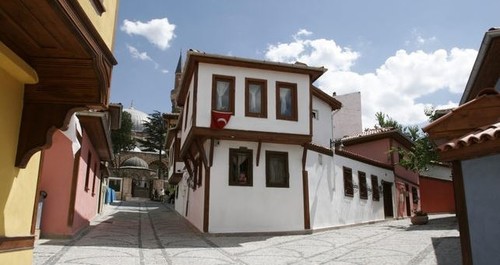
point(55, 59)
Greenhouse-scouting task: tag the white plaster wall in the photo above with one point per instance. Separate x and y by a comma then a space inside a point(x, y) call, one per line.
point(256, 208)
point(438, 172)
point(195, 206)
point(322, 127)
point(481, 184)
point(180, 201)
point(328, 205)
point(238, 120)
point(347, 121)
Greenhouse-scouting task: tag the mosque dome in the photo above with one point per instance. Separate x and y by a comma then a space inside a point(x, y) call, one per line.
point(138, 119)
point(134, 162)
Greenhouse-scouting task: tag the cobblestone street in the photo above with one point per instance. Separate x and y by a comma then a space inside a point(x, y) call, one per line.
point(152, 233)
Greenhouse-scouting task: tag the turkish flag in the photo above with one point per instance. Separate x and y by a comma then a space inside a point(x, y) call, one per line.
point(219, 119)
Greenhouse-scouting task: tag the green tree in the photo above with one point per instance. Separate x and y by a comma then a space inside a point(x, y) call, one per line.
point(156, 133)
point(122, 138)
point(422, 153)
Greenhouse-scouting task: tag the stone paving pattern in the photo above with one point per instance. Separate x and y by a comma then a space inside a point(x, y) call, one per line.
point(153, 233)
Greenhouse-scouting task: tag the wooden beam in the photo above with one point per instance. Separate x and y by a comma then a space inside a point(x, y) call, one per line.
point(461, 208)
point(305, 192)
point(259, 147)
point(203, 155)
point(18, 243)
point(206, 202)
point(304, 157)
point(211, 155)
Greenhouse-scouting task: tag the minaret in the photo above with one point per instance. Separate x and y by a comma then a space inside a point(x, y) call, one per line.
point(175, 91)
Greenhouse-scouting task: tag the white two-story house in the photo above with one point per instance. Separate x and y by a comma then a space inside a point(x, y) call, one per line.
point(251, 151)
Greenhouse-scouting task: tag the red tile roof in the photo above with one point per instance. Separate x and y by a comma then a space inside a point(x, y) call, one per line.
point(480, 135)
point(367, 132)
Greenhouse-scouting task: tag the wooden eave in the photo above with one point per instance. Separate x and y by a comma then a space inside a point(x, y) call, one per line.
point(72, 61)
point(479, 112)
point(334, 104)
point(96, 126)
point(364, 159)
point(171, 135)
point(392, 134)
point(175, 178)
point(240, 135)
point(486, 69)
point(195, 57)
point(115, 116)
point(171, 119)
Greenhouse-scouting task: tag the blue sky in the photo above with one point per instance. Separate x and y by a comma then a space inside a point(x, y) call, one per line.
point(402, 55)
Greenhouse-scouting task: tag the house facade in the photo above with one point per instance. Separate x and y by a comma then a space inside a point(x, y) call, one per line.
point(469, 138)
point(54, 62)
point(382, 145)
point(73, 172)
point(251, 150)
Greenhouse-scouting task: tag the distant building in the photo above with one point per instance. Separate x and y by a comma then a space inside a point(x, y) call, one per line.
point(137, 171)
point(347, 120)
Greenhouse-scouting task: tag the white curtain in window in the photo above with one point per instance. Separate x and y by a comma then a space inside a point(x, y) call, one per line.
point(222, 95)
point(277, 169)
point(285, 101)
point(255, 96)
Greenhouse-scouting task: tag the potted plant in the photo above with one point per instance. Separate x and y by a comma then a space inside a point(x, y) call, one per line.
point(419, 218)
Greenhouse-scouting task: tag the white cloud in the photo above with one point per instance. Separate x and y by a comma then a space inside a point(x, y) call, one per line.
point(143, 56)
point(394, 87)
point(419, 40)
point(157, 31)
point(320, 51)
point(302, 32)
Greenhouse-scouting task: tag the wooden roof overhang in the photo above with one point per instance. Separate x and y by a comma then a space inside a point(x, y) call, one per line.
point(201, 133)
point(486, 70)
point(392, 134)
point(96, 126)
point(195, 57)
point(317, 92)
point(73, 63)
point(463, 121)
point(482, 111)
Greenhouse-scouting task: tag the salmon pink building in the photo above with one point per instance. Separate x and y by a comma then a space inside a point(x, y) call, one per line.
point(72, 174)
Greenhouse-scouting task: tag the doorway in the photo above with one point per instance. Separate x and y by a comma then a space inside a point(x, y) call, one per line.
point(387, 193)
point(407, 196)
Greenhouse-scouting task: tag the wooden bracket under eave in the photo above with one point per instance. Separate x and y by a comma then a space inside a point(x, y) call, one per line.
point(38, 123)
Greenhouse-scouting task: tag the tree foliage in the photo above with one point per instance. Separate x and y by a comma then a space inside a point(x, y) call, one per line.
point(122, 138)
point(422, 153)
point(155, 132)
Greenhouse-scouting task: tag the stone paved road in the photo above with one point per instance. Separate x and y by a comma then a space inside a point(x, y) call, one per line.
point(152, 233)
